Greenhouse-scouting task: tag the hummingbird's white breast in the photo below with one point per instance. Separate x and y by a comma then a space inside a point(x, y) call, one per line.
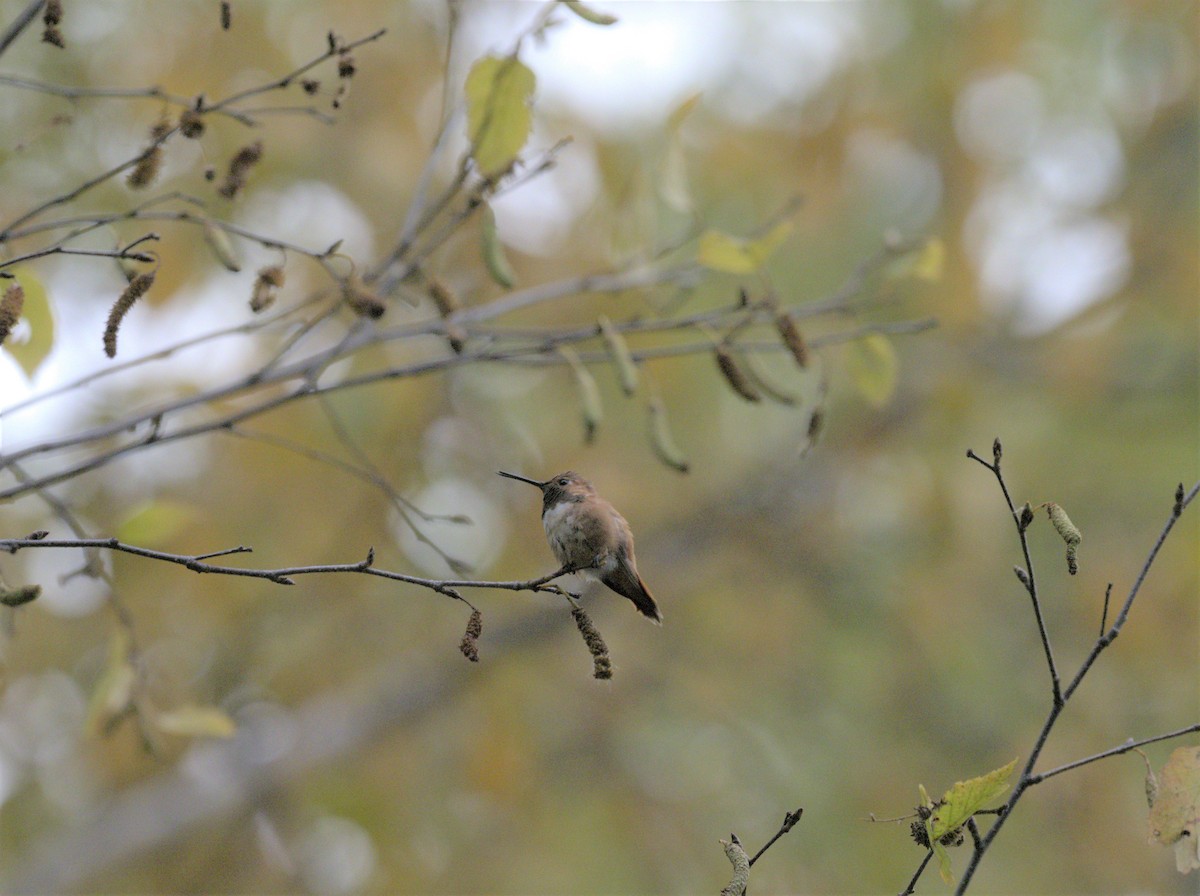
point(578, 538)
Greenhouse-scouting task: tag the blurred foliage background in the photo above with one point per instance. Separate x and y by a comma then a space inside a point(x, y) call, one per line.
point(840, 627)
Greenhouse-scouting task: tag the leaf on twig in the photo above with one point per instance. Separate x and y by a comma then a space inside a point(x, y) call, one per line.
point(720, 251)
point(1174, 818)
point(873, 368)
point(493, 250)
point(499, 90)
point(959, 804)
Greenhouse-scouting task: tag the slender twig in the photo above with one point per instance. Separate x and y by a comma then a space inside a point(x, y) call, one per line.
point(1028, 777)
point(20, 23)
point(912, 883)
point(282, 575)
point(1030, 581)
point(305, 371)
point(789, 822)
point(335, 48)
point(1115, 751)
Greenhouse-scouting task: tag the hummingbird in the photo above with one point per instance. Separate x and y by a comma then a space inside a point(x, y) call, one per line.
point(588, 536)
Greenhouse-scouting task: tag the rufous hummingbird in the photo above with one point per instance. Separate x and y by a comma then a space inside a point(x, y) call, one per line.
point(589, 537)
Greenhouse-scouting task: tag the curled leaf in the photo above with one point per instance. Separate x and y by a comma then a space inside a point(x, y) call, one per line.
point(493, 250)
point(222, 247)
point(589, 393)
point(661, 439)
point(588, 14)
point(627, 371)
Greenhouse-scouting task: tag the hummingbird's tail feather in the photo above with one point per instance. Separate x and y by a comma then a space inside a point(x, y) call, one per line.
point(627, 583)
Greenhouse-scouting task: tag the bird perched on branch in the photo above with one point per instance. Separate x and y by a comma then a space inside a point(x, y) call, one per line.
point(588, 536)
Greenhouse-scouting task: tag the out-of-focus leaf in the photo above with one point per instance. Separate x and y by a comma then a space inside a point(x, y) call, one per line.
point(589, 393)
point(155, 522)
point(493, 250)
point(196, 721)
point(734, 255)
point(499, 119)
point(673, 176)
point(873, 367)
point(683, 110)
point(114, 688)
point(925, 262)
point(590, 15)
point(1175, 816)
point(222, 247)
point(31, 351)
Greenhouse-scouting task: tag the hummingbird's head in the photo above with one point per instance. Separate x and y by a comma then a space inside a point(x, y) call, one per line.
point(568, 486)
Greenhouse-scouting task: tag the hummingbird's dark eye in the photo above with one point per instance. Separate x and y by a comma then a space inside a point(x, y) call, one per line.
point(564, 482)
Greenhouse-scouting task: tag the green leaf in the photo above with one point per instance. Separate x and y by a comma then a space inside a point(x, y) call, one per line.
point(966, 798)
point(872, 364)
point(493, 250)
point(113, 691)
point(959, 804)
point(31, 352)
point(588, 14)
point(943, 858)
point(721, 252)
point(196, 721)
point(154, 523)
point(499, 90)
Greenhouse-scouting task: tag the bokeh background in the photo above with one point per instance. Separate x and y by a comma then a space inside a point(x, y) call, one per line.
point(841, 626)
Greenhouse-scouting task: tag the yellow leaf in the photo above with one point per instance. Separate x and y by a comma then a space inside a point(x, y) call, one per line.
point(114, 688)
point(872, 364)
point(923, 262)
point(930, 261)
point(734, 255)
point(154, 523)
point(499, 90)
point(31, 350)
point(1175, 816)
point(191, 720)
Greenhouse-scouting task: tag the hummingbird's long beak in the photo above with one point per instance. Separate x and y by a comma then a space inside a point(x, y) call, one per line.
point(521, 478)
